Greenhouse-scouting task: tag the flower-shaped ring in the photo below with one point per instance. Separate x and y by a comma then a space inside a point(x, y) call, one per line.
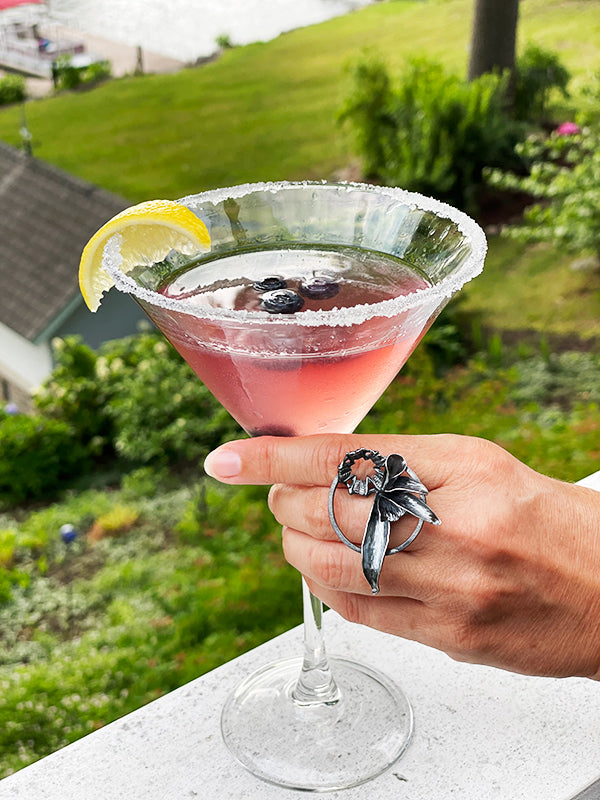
point(398, 491)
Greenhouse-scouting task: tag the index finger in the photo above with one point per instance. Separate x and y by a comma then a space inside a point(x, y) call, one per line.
point(313, 460)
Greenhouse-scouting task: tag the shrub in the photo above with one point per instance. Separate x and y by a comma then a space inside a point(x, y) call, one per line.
point(68, 77)
point(224, 42)
point(12, 90)
point(96, 72)
point(589, 99)
point(8, 539)
point(74, 393)
point(65, 75)
point(179, 418)
point(137, 398)
point(449, 340)
point(115, 522)
point(564, 174)
point(435, 133)
point(369, 108)
point(563, 379)
point(538, 72)
point(38, 454)
point(144, 482)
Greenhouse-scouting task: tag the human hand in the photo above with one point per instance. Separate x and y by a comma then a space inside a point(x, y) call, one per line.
point(511, 578)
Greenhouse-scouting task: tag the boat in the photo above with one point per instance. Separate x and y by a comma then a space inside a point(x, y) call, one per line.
point(32, 44)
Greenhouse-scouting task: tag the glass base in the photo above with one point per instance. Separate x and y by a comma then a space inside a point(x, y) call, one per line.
point(317, 747)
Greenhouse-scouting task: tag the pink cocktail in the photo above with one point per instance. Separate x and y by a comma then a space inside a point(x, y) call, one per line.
point(292, 380)
point(311, 298)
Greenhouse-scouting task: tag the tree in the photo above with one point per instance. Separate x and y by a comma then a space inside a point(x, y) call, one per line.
point(494, 35)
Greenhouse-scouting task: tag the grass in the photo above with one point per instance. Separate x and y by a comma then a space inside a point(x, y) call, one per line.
point(535, 288)
point(266, 111)
point(108, 625)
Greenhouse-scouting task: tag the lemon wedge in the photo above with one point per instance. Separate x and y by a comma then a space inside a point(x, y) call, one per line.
point(147, 232)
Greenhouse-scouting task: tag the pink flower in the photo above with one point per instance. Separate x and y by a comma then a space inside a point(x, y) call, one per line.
point(568, 129)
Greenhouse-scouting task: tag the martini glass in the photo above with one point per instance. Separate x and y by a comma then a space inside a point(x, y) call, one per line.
point(311, 299)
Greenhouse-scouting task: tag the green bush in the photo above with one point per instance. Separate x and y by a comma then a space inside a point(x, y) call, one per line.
point(433, 134)
point(538, 72)
point(369, 109)
point(564, 174)
point(561, 379)
point(224, 42)
point(449, 341)
point(96, 72)
point(589, 100)
point(162, 412)
point(75, 394)
point(144, 482)
point(68, 77)
point(38, 455)
point(136, 398)
point(12, 90)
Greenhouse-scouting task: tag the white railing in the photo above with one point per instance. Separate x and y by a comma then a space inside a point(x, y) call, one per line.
point(26, 54)
point(480, 733)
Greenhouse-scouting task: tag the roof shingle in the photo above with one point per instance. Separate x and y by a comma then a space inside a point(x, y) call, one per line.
point(46, 218)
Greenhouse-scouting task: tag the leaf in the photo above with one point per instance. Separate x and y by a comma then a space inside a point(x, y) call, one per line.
point(374, 546)
point(395, 465)
point(407, 484)
point(396, 501)
point(389, 510)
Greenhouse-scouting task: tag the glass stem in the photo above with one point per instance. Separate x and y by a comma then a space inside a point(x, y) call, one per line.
point(316, 685)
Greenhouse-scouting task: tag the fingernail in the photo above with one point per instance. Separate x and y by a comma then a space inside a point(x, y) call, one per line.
point(223, 464)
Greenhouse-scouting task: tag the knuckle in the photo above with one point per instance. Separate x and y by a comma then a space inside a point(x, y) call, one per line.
point(273, 460)
point(286, 545)
point(329, 452)
point(482, 458)
point(313, 461)
point(327, 565)
point(353, 608)
point(314, 507)
point(274, 498)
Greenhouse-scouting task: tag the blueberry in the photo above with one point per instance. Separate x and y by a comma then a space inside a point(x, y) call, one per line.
point(269, 284)
point(319, 289)
point(281, 301)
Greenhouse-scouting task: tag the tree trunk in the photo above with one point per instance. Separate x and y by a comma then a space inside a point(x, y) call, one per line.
point(493, 40)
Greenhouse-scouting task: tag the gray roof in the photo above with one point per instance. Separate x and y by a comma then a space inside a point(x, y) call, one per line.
point(46, 218)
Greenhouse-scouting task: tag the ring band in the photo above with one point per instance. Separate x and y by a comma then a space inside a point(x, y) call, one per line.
point(394, 485)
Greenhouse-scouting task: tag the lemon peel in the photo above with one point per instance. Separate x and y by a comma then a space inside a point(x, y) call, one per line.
point(145, 234)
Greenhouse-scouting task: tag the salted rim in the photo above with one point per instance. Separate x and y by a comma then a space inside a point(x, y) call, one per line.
point(471, 267)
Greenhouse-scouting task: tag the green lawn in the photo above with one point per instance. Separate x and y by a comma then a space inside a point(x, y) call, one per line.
point(267, 111)
point(536, 288)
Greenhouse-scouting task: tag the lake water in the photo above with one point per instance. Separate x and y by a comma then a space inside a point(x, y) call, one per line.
point(187, 29)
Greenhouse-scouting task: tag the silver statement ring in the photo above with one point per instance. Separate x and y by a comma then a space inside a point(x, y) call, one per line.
point(398, 491)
